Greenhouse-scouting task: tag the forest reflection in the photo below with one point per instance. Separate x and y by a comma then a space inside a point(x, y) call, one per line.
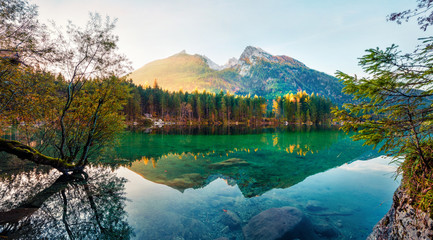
point(54, 206)
point(183, 142)
point(291, 149)
point(256, 161)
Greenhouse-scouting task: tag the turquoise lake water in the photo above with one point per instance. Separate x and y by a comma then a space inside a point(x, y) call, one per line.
point(182, 184)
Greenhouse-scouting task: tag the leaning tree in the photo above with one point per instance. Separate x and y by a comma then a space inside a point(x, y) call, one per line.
point(69, 95)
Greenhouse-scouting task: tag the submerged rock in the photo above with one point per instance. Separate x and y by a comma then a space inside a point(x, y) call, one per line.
point(326, 231)
point(231, 219)
point(339, 223)
point(175, 227)
point(279, 223)
point(315, 206)
point(403, 222)
point(229, 163)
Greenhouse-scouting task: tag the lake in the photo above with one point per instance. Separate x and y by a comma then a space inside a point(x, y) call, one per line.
point(206, 183)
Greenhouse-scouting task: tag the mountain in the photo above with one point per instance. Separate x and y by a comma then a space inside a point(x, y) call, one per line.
point(255, 72)
point(182, 71)
point(253, 56)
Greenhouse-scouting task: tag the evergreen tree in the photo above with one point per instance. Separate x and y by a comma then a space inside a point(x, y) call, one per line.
point(393, 108)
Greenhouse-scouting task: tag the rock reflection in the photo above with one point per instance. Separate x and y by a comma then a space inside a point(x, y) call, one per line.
point(53, 206)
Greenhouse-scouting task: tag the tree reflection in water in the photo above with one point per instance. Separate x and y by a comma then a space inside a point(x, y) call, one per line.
point(53, 206)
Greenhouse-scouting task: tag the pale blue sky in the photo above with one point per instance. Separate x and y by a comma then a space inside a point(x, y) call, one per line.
point(326, 35)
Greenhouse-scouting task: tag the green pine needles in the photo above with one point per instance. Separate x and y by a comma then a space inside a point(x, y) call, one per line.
point(393, 107)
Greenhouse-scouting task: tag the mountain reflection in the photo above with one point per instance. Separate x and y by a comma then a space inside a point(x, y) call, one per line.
point(256, 162)
point(47, 205)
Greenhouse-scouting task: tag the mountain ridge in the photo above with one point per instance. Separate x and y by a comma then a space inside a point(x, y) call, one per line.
point(255, 72)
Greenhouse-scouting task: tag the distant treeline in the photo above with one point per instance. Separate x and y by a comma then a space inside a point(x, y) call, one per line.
point(223, 107)
point(302, 108)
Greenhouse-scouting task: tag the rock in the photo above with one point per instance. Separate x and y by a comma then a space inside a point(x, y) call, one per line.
point(279, 223)
point(332, 213)
point(402, 221)
point(232, 62)
point(326, 231)
point(211, 63)
point(252, 55)
point(231, 219)
point(315, 206)
point(226, 229)
point(339, 223)
point(175, 226)
point(229, 163)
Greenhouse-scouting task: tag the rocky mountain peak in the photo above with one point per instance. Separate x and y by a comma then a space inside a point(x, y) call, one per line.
point(211, 63)
point(257, 72)
point(249, 57)
point(252, 54)
point(232, 62)
point(183, 52)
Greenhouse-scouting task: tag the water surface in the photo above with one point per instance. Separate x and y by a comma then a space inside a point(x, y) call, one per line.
point(175, 185)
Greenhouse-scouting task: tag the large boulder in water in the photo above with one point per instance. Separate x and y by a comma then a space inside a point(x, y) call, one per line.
point(279, 223)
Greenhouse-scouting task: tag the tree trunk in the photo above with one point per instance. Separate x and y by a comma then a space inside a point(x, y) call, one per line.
point(25, 152)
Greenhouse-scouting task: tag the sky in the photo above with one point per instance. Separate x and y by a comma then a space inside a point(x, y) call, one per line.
point(326, 35)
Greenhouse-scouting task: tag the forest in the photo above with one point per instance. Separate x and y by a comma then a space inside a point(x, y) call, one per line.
point(66, 91)
point(224, 108)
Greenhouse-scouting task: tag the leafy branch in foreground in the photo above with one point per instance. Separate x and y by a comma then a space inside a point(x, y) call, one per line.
point(393, 107)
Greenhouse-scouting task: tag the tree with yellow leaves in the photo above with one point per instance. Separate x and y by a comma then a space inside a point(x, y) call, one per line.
point(74, 114)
